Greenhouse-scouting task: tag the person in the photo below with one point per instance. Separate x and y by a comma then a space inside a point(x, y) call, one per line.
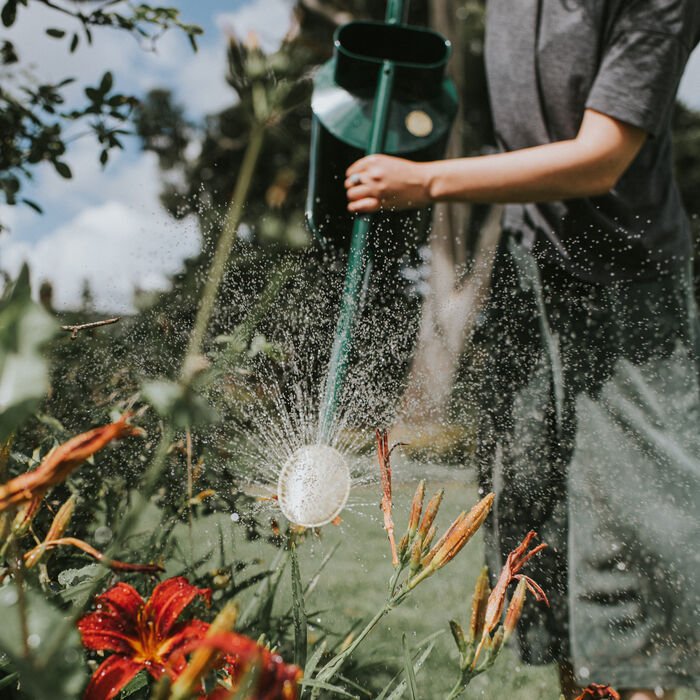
point(588, 345)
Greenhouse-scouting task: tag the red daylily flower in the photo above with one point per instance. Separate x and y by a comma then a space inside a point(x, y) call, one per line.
point(510, 572)
point(274, 679)
point(141, 634)
point(602, 692)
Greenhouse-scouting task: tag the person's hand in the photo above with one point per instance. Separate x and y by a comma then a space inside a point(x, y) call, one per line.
point(384, 182)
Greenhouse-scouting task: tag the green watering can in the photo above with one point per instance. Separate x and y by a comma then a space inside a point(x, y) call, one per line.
point(384, 91)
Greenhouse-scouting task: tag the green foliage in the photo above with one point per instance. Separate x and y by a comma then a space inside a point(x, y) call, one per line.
point(25, 329)
point(28, 634)
point(34, 115)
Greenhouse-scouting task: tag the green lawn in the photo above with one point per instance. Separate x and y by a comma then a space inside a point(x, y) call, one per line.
point(354, 584)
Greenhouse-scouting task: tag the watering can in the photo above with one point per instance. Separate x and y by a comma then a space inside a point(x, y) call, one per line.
point(383, 91)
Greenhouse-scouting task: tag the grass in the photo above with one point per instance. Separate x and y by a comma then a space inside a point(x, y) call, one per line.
point(353, 588)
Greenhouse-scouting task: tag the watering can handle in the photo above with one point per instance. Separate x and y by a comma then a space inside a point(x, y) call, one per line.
point(395, 10)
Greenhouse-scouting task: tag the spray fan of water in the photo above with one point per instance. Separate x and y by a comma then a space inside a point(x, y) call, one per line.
point(309, 475)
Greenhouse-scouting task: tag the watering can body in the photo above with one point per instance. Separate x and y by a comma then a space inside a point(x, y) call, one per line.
point(423, 107)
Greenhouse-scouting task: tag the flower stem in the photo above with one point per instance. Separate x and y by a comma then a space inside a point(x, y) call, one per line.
point(223, 247)
point(458, 689)
point(328, 672)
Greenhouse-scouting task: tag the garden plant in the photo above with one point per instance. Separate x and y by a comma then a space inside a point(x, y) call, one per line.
point(104, 591)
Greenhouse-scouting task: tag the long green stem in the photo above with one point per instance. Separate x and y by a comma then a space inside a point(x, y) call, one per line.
point(458, 689)
point(223, 247)
point(327, 673)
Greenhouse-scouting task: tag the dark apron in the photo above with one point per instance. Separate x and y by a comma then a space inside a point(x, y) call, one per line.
point(590, 434)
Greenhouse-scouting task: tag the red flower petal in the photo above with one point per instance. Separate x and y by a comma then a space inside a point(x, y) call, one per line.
point(123, 599)
point(182, 642)
point(276, 680)
point(101, 632)
point(169, 599)
point(111, 676)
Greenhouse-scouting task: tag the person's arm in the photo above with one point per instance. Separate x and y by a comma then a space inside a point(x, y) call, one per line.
point(585, 166)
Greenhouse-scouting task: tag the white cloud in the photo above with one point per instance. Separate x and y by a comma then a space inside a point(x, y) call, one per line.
point(117, 242)
point(107, 226)
point(114, 248)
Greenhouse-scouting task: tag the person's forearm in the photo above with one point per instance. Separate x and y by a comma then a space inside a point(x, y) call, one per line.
point(588, 165)
point(551, 172)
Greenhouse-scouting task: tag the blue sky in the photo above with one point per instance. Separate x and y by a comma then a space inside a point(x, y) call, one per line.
point(107, 226)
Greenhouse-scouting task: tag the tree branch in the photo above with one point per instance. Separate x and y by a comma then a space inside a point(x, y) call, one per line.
point(74, 330)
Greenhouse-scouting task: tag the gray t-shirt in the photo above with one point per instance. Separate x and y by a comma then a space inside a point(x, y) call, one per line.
point(549, 60)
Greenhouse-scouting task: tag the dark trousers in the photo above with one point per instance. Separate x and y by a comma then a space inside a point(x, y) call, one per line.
point(590, 434)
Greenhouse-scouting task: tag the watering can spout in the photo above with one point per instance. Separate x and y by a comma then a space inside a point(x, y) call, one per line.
point(364, 102)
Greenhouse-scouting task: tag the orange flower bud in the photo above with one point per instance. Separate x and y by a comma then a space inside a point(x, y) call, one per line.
point(458, 636)
point(429, 537)
point(416, 553)
point(479, 602)
point(60, 462)
point(451, 543)
point(515, 610)
point(58, 527)
point(431, 512)
point(416, 510)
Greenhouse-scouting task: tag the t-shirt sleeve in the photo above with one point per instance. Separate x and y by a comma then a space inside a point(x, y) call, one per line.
point(638, 77)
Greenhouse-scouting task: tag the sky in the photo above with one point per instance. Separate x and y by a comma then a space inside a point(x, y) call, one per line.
point(106, 226)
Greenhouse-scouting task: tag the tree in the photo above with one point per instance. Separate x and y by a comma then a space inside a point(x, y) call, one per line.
point(34, 116)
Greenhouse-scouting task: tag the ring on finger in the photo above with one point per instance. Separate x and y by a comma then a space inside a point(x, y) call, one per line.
point(355, 180)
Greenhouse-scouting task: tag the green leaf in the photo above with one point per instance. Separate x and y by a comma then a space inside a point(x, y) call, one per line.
point(408, 669)
point(106, 83)
point(9, 680)
point(312, 663)
point(421, 658)
point(63, 169)
point(25, 328)
point(74, 43)
point(60, 676)
point(56, 33)
point(31, 203)
point(179, 404)
point(9, 13)
point(321, 685)
point(298, 611)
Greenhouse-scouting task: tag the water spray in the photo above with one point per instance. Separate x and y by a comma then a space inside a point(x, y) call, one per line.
point(395, 72)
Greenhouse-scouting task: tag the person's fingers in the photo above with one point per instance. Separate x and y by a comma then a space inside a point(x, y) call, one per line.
point(360, 165)
point(364, 206)
point(360, 192)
